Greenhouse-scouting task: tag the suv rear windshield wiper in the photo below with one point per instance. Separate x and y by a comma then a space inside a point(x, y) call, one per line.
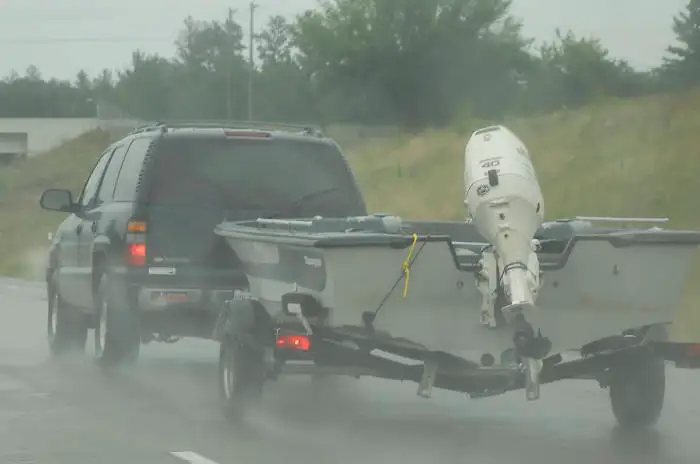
point(296, 204)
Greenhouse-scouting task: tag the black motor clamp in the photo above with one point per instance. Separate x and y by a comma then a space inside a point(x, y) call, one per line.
point(527, 343)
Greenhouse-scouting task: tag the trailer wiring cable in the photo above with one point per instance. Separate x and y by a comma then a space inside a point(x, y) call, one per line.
point(405, 273)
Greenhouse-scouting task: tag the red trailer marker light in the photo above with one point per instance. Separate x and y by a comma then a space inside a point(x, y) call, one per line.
point(694, 350)
point(294, 342)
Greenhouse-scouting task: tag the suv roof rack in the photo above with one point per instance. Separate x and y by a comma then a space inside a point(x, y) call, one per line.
point(163, 126)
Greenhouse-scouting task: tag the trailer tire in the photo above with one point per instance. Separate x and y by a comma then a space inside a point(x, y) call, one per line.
point(637, 391)
point(66, 326)
point(241, 376)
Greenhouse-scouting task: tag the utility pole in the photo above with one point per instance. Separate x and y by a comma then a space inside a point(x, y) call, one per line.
point(251, 60)
point(229, 72)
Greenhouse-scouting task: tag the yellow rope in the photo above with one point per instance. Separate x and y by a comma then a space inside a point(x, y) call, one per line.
point(407, 265)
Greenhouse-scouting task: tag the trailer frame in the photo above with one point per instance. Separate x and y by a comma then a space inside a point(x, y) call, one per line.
point(292, 345)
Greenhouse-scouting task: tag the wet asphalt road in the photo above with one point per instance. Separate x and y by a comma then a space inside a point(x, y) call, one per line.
point(165, 411)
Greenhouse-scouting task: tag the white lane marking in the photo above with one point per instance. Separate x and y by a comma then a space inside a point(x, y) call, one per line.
point(32, 289)
point(192, 457)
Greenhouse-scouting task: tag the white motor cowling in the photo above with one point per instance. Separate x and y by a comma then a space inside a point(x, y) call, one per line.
point(504, 202)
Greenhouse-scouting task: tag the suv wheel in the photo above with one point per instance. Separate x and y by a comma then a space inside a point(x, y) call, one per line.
point(66, 327)
point(117, 336)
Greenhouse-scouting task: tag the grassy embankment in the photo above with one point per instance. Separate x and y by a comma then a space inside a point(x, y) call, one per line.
point(621, 158)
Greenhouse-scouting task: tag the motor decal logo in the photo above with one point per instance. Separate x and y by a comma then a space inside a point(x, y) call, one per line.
point(490, 163)
point(313, 262)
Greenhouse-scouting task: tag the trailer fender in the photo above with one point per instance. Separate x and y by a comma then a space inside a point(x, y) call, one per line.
point(244, 318)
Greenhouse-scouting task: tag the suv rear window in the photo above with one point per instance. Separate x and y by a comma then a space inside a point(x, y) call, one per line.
point(252, 178)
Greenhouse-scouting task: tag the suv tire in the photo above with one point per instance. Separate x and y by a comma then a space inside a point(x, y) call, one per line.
point(117, 334)
point(66, 327)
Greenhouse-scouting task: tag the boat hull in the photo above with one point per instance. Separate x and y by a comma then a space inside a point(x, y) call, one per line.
point(596, 287)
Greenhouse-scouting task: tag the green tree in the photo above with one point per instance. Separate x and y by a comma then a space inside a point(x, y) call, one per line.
point(275, 42)
point(146, 88)
point(83, 83)
point(103, 84)
point(572, 71)
point(413, 61)
point(682, 65)
point(214, 72)
point(283, 90)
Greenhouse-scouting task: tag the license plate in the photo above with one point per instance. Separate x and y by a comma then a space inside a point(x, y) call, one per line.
point(176, 297)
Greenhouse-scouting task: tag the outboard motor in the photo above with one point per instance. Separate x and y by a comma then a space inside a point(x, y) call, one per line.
point(504, 202)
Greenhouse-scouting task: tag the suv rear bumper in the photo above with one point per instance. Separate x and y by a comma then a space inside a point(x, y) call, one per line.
point(161, 298)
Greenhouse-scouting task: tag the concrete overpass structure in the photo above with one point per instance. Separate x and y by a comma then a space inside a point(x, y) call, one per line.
point(42, 134)
point(35, 136)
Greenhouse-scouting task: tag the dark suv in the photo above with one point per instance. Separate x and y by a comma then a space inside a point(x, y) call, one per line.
point(137, 259)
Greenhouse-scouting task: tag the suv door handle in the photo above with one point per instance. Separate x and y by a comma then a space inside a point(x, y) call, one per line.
point(79, 229)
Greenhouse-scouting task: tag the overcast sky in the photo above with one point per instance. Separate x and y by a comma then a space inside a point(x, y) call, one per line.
point(105, 32)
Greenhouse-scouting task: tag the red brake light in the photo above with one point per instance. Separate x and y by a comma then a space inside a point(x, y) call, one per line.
point(254, 134)
point(294, 342)
point(694, 349)
point(136, 254)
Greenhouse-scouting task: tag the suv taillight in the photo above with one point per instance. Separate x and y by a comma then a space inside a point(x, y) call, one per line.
point(136, 243)
point(136, 255)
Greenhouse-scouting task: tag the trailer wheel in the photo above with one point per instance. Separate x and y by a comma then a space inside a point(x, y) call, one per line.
point(241, 378)
point(637, 391)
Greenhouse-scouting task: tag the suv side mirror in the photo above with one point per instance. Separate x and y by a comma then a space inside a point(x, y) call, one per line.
point(57, 200)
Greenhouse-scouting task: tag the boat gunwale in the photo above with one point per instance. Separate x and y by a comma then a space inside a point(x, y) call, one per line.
point(622, 238)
